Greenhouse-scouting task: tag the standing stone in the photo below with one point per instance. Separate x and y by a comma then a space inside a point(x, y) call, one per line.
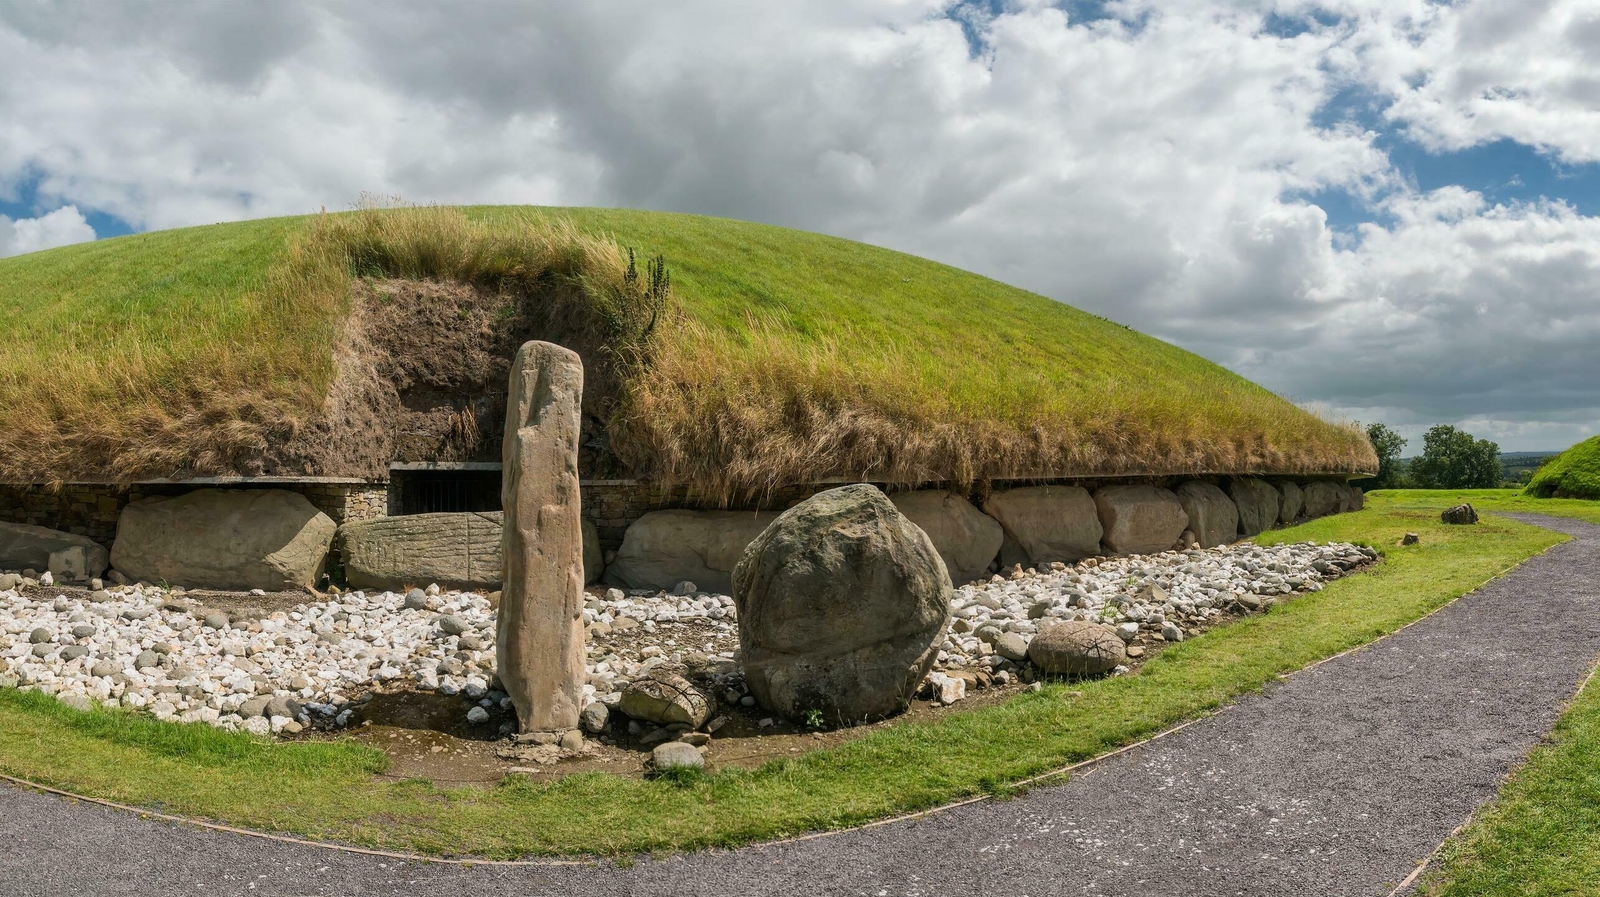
point(842, 603)
point(1213, 518)
point(539, 649)
point(1139, 519)
point(1258, 505)
point(1293, 501)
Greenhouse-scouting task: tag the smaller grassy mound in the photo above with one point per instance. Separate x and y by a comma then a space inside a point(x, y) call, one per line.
point(1575, 473)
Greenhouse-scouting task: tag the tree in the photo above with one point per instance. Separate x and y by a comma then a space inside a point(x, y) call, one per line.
point(1388, 444)
point(1453, 459)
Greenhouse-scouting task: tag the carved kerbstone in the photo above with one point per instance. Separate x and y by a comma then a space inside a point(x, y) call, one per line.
point(540, 640)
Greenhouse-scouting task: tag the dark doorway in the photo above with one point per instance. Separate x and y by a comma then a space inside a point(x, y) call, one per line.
point(436, 491)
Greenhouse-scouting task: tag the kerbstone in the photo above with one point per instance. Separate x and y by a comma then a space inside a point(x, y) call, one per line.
point(1292, 503)
point(236, 539)
point(1322, 498)
point(966, 538)
point(1212, 515)
point(664, 548)
point(24, 546)
point(1258, 505)
point(1139, 519)
point(1046, 523)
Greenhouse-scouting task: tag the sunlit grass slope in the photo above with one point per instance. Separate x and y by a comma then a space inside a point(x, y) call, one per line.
point(782, 356)
point(1575, 473)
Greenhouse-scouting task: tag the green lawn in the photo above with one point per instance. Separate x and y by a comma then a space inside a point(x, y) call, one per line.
point(790, 356)
point(328, 790)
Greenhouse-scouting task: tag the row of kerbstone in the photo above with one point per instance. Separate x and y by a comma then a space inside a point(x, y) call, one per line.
point(1028, 526)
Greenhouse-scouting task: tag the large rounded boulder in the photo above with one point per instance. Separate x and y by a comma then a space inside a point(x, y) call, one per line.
point(842, 605)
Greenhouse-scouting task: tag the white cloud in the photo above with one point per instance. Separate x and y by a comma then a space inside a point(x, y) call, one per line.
point(64, 226)
point(1152, 166)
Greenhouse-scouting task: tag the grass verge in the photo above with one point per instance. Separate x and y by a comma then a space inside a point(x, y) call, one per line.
point(328, 791)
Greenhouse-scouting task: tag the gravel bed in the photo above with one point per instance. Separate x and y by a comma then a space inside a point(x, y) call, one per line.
point(161, 651)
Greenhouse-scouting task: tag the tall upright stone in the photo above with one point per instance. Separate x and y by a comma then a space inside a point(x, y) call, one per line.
point(539, 650)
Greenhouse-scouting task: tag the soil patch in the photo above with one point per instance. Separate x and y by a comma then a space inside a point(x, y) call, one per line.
point(421, 373)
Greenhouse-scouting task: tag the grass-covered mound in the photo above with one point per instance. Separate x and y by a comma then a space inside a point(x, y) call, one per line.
point(1575, 473)
point(769, 356)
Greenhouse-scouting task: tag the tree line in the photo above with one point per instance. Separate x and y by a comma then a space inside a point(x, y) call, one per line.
point(1450, 459)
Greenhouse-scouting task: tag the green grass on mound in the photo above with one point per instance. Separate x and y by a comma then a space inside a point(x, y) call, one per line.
point(329, 791)
point(1575, 473)
point(783, 356)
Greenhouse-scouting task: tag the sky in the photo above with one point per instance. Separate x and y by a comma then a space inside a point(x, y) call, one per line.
point(1385, 210)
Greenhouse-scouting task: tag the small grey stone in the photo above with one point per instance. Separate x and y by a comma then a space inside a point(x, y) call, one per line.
point(216, 620)
point(471, 642)
point(103, 669)
point(9, 581)
point(1171, 632)
point(99, 596)
point(747, 701)
point(43, 650)
point(145, 660)
point(137, 613)
point(73, 652)
point(676, 755)
point(477, 715)
point(254, 707)
point(416, 599)
point(1012, 646)
point(283, 706)
point(451, 624)
point(698, 739)
point(83, 630)
point(572, 740)
point(39, 636)
point(594, 717)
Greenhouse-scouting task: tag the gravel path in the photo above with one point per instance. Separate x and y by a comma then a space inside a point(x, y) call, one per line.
point(1336, 781)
